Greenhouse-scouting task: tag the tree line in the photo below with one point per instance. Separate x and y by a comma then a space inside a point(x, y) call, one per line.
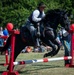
point(17, 11)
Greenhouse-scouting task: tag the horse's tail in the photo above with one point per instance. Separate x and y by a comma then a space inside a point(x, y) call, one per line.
point(8, 42)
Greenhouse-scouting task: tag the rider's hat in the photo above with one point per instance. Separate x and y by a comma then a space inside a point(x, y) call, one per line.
point(41, 4)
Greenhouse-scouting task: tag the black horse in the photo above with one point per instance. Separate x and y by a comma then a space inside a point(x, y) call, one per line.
point(50, 23)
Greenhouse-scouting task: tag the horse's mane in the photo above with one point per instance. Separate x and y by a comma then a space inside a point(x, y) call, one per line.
point(55, 11)
point(52, 14)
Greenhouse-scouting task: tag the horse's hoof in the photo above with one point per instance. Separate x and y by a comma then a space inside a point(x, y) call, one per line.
point(55, 53)
point(45, 55)
point(52, 55)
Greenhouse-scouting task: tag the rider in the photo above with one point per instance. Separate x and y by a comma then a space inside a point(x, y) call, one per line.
point(35, 18)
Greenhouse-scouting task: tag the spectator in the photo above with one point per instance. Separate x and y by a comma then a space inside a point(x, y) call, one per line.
point(35, 18)
point(28, 49)
point(1, 34)
point(1, 31)
point(65, 38)
point(5, 32)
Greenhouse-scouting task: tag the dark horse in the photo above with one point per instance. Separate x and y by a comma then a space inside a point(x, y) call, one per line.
point(50, 23)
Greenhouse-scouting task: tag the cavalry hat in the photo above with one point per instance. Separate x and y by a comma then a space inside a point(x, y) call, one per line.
point(41, 5)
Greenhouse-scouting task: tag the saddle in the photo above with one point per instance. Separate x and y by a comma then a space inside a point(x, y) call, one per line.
point(26, 35)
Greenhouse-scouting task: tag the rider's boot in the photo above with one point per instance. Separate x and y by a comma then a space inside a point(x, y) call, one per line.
point(35, 40)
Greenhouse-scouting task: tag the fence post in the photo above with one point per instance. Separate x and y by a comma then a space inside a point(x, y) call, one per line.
point(11, 72)
point(72, 50)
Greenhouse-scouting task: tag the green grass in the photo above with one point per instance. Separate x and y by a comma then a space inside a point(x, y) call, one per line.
point(49, 68)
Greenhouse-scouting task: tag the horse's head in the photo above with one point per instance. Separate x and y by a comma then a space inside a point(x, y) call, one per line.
point(64, 20)
point(56, 17)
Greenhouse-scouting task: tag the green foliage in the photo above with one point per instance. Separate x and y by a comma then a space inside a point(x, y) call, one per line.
point(17, 11)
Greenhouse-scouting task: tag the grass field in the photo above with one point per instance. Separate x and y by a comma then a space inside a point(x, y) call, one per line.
point(49, 68)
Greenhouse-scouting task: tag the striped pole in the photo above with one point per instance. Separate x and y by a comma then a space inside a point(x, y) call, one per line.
point(41, 60)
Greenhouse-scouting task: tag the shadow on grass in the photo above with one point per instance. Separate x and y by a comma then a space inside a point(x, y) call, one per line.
point(1, 72)
point(37, 67)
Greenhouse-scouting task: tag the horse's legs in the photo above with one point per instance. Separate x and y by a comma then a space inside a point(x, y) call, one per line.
point(49, 43)
point(53, 49)
point(50, 35)
point(19, 46)
point(15, 56)
point(58, 46)
point(18, 50)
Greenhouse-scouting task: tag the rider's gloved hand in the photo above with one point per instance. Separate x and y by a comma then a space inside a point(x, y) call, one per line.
point(43, 19)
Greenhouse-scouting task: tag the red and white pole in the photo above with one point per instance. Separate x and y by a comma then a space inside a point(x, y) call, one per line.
point(41, 60)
